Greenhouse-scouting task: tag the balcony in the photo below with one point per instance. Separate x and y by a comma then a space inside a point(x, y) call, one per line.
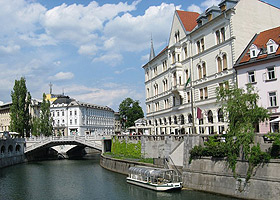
point(177, 88)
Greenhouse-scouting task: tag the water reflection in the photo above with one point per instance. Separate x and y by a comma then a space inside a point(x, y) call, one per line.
point(78, 180)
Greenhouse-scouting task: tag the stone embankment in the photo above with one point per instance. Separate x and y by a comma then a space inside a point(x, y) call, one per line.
point(121, 166)
point(11, 152)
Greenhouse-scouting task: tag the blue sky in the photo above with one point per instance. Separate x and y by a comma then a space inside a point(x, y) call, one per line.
point(92, 50)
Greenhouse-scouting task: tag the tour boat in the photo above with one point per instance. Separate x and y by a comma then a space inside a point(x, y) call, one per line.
point(154, 178)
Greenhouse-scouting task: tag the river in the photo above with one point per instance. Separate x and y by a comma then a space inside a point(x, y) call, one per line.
point(79, 180)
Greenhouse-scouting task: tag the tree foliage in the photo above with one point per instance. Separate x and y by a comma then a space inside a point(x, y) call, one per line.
point(19, 110)
point(243, 115)
point(130, 111)
point(35, 126)
point(45, 118)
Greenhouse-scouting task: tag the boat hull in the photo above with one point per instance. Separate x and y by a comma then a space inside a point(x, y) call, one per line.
point(156, 187)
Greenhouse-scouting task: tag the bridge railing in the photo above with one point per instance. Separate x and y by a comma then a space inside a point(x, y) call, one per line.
point(93, 141)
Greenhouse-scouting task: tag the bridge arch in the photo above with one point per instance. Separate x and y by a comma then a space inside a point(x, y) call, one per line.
point(3, 149)
point(10, 148)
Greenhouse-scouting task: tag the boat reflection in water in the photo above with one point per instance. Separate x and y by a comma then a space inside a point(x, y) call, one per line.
point(154, 178)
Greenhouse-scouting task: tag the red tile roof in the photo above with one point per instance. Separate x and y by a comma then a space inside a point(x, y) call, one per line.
point(188, 19)
point(261, 40)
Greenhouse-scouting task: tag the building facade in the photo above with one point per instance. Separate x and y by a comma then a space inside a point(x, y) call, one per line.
point(71, 117)
point(181, 81)
point(259, 65)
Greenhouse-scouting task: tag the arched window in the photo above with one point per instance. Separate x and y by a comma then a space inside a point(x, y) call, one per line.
point(204, 69)
point(224, 62)
point(175, 120)
point(182, 119)
point(199, 71)
point(160, 122)
point(148, 92)
point(210, 117)
point(220, 115)
point(164, 121)
point(219, 61)
point(170, 121)
point(156, 122)
point(190, 118)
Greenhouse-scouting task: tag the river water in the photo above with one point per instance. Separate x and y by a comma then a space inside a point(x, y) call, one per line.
point(79, 180)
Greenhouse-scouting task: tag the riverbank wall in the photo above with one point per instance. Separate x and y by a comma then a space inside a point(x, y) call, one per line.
point(121, 166)
point(11, 152)
point(214, 176)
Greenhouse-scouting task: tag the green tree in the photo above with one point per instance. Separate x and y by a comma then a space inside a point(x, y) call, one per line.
point(45, 118)
point(243, 116)
point(20, 116)
point(130, 111)
point(35, 126)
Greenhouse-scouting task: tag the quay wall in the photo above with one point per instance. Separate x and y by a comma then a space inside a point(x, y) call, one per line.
point(120, 166)
point(213, 175)
point(11, 152)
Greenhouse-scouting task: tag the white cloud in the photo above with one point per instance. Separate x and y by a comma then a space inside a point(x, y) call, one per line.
point(194, 8)
point(111, 58)
point(88, 49)
point(62, 76)
point(124, 70)
point(9, 49)
point(209, 3)
point(133, 33)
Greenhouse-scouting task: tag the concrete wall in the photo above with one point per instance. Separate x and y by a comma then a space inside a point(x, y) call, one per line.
point(120, 166)
point(155, 146)
point(11, 152)
point(214, 176)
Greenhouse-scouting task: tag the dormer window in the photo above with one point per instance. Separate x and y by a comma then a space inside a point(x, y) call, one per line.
point(254, 51)
point(271, 46)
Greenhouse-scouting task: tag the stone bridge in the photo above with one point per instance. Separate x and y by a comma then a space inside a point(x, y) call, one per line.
point(95, 142)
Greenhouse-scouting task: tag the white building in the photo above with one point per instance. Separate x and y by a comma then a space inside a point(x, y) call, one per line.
point(71, 117)
point(203, 48)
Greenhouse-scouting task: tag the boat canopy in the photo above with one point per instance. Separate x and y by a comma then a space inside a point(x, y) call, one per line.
point(150, 172)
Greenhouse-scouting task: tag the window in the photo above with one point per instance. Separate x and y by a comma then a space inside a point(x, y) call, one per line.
point(186, 52)
point(148, 92)
point(187, 74)
point(62, 113)
point(202, 44)
point(174, 101)
point(220, 68)
point(70, 121)
point(181, 100)
point(220, 115)
point(70, 112)
point(155, 71)
point(199, 72)
point(218, 37)
point(189, 97)
point(198, 47)
point(201, 93)
point(204, 69)
point(173, 57)
point(178, 58)
point(75, 121)
point(251, 77)
point(224, 62)
point(205, 93)
point(57, 113)
point(223, 34)
point(271, 73)
point(75, 112)
point(272, 99)
point(175, 120)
